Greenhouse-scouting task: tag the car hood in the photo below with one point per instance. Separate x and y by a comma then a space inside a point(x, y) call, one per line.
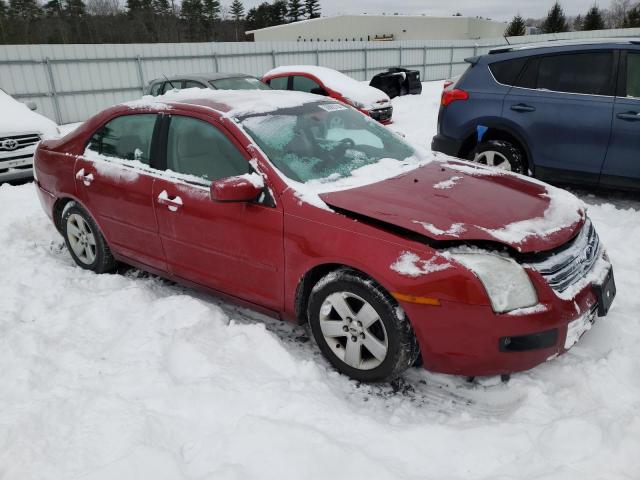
point(16, 118)
point(460, 201)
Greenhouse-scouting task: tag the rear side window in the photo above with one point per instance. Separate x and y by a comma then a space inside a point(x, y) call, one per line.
point(587, 73)
point(128, 137)
point(279, 83)
point(633, 75)
point(507, 71)
point(192, 84)
point(195, 147)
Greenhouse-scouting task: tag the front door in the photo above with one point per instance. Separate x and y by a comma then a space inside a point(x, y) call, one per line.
point(235, 248)
point(622, 166)
point(114, 181)
point(563, 106)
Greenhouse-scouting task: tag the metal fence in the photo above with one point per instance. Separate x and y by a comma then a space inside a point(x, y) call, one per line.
point(69, 83)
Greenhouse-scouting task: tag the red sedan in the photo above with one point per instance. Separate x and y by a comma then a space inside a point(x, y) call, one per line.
point(308, 210)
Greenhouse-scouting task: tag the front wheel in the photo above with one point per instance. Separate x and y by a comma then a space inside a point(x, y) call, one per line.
point(502, 155)
point(359, 328)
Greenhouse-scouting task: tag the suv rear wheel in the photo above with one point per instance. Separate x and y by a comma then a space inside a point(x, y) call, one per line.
point(501, 154)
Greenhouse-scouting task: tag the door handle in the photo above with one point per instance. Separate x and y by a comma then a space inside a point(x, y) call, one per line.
point(86, 179)
point(173, 204)
point(629, 116)
point(523, 108)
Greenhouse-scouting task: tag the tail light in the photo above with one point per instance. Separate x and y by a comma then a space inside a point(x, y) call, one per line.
point(450, 96)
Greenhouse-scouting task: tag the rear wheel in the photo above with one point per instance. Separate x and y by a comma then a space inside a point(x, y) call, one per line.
point(359, 328)
point(85, 243)
point(502, 155)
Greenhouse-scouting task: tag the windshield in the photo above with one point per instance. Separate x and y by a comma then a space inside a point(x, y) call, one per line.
point(323, 140)
point(239, 83)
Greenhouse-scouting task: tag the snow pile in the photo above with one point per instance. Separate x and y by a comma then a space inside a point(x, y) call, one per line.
point(447, 184)
point(455, 229)
point(337, 81)
point(411, 265)
point(16, 118)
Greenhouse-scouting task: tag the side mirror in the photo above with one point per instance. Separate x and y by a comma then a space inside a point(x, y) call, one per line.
point(32, 106)
point(237, 189)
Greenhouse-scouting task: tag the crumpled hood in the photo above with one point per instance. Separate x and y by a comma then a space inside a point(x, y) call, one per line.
point(16, 118)
point(458, 200)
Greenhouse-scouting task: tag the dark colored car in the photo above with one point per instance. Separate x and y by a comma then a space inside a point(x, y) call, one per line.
point(567, 113)
point(214, 81)
point(303, 208)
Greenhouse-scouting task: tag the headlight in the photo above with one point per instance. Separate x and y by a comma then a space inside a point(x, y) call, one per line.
point(507, 284)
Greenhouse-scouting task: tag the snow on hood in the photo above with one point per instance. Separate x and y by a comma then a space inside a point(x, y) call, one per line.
point(483, 205)
point(17, 118)
point(348, 87)
point(231, 102)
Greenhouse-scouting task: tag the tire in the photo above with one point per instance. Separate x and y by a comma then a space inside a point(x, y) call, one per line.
point(84, 240)
point(379, 348)
point(502, 155)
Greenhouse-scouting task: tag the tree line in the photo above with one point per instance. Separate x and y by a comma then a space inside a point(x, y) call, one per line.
point(142, 21)
point(621, 14)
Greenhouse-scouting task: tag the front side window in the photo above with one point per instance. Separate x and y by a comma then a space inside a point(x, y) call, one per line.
point(239, 83)
point(156, 89)
point(192, 84)
point(589, 73)
point(304, 84)
point(128, 138)
point(279, 83)
point(197, 148)
point(323, 141)
point(633, 75)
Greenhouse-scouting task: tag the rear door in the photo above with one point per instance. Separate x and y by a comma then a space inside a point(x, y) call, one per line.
point(622, 166)
point(114, 180)
point(235, 248)
point(280, 83)
point(563, 106)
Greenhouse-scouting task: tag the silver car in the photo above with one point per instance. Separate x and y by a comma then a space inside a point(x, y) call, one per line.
point(214, 81)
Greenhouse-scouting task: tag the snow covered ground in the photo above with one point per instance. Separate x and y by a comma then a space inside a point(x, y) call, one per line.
point(127, 376)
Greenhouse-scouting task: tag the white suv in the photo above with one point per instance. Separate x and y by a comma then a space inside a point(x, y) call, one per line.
point(20, 131)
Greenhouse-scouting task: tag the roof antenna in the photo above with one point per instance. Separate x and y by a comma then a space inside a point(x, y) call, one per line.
point(172, 85)
point(507, 40)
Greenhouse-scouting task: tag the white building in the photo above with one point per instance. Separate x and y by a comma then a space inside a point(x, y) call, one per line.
point(381, 28)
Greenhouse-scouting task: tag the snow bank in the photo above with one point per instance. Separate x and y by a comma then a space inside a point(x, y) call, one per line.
point(348, 87)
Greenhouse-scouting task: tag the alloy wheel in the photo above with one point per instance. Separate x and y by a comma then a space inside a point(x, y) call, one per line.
point(81, 239)
point(492, 158)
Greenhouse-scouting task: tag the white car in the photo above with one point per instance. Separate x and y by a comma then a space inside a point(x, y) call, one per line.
point(20, 131)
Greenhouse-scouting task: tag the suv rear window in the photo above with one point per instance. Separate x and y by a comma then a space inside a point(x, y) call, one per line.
point(590, 73)
point(507, 71)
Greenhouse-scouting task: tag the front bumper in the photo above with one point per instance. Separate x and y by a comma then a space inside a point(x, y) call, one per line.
point(16, 164)
point(447, 145)
point(471, 340)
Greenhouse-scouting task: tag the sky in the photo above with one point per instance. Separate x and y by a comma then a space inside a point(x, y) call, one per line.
point(494, 9)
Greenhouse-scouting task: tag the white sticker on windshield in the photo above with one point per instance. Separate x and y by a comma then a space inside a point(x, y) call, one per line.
point(332, 107)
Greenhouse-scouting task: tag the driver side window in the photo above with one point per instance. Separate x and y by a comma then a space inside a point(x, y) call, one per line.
point(197, 148)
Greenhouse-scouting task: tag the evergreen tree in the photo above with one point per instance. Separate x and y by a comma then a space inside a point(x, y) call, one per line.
point(295, 10)
point(593, 19)
point(278, 14)
point(3, 9)
point(516, 28)
point(74, 8)
point(633, 18)
point(211, 10)
point(53, 8)
point(555, 22)
point(312, 8)
point(192, 13)
point(237, 10)
point(161, 7)
point(25, 9)
point(137, 7)
point(578, 23)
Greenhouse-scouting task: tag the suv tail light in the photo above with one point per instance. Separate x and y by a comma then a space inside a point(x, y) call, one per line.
point(450, 96)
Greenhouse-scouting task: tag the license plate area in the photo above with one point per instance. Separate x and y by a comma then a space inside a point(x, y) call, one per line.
point(578, 327)
point(605, 293)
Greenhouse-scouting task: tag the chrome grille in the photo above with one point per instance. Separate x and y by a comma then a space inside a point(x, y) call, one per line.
point(568, 265)
point(16, 142)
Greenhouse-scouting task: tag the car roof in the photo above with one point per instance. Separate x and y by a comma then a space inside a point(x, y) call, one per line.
point(226, 102)
point(566, 43)
point(202, 77)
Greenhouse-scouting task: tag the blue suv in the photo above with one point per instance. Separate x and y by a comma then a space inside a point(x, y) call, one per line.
point(566, 113)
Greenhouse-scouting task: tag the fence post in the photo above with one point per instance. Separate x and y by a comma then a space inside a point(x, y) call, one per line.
point(366, 62)
point(317, 57)
point(273, 58)
point(140, 74)
point(451, 63)
point(400, 52)
point(424, 63)
point(53, 92)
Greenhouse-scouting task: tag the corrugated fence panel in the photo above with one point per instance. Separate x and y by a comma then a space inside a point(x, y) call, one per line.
point(69, 83)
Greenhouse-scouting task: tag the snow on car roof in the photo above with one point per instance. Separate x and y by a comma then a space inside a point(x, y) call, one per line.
point(228, 102)
point(338, 81)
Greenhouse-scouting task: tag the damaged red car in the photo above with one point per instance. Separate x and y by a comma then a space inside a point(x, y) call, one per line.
point(308, 210)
